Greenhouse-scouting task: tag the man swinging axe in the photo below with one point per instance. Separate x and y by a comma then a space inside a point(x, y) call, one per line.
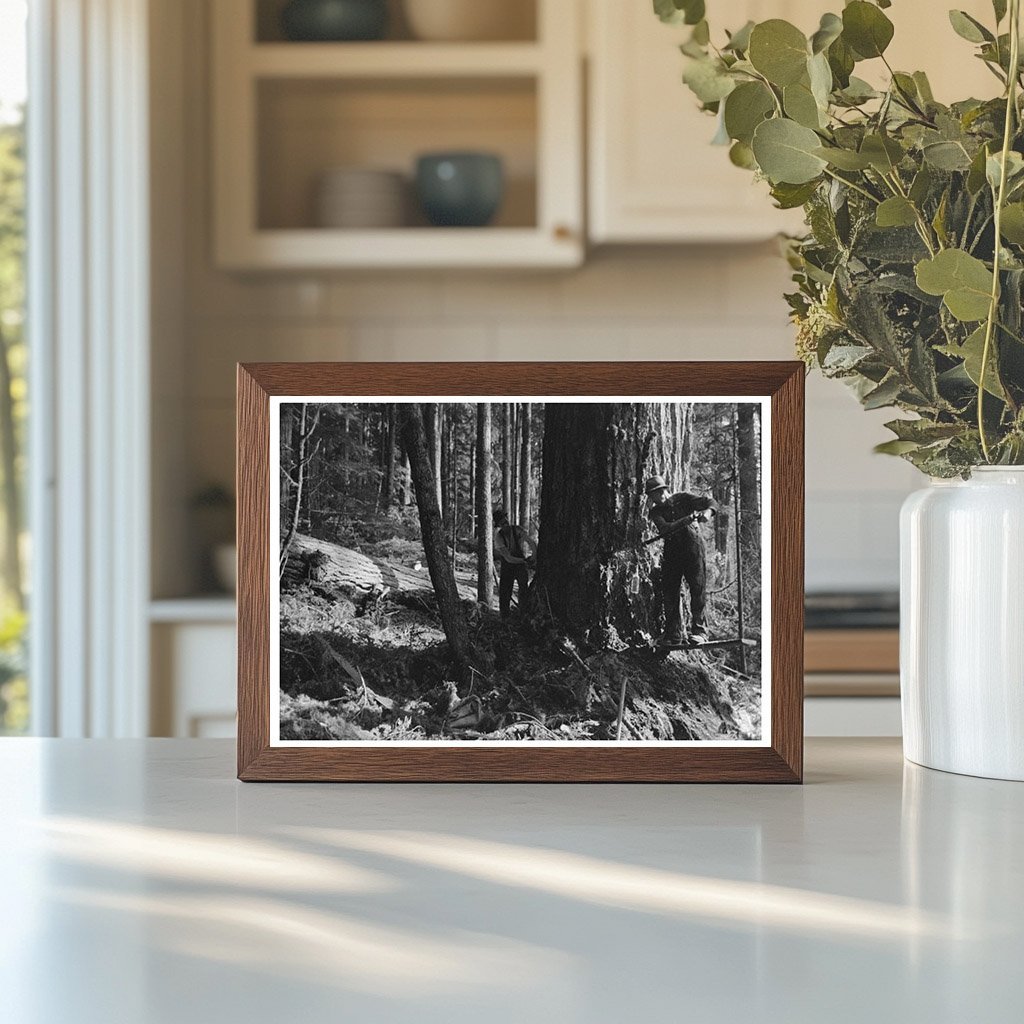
point(510, 550)
point(676, 518)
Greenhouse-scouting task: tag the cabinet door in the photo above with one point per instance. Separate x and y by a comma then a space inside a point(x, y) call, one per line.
point(654, 175)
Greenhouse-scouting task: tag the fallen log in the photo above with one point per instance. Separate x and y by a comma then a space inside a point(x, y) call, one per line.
point(347, 571)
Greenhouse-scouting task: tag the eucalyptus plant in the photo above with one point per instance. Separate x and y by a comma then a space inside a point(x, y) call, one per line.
point(909, 280)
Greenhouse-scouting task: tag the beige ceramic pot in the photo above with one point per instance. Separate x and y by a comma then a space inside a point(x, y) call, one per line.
point(471, 20)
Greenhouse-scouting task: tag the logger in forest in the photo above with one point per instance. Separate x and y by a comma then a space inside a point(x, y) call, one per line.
point(510, 553)
point(676, 518)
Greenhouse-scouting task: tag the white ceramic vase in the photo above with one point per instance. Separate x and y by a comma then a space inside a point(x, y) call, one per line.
point(962, 624)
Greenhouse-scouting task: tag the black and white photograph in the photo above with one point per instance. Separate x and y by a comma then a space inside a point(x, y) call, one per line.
point(545, 571)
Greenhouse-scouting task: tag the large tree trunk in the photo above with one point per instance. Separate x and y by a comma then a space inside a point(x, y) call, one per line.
point(484, 517)
point(525, 468)
point(593, 571)
point(424, 481)
point(347, 572)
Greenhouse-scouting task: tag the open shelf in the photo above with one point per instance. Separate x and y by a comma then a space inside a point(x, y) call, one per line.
point(286, 114)
point(308, 127)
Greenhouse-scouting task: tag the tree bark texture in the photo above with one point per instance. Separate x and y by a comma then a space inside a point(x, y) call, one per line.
point(593, 571)
point(484, 518)
point(424, 479)
point(525, 467)
point(749, 477)
point(506, 461)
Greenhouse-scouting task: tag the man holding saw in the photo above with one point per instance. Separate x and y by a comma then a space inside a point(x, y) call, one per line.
point(676, 518)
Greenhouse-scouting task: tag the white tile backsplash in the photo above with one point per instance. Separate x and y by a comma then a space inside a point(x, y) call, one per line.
point(717, 302)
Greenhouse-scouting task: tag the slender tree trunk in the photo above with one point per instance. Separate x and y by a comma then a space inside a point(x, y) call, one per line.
point(593, 571)
point(526, 468)
point(506, 460)
point(406, 482)
point(297, 474)
point(11, 491)
point(471, 490)
point(686, 447)
point(484, 520)
point(453, 480)
point(389, 429)
point(749, 477)
point(432, 530)
point(738, 538)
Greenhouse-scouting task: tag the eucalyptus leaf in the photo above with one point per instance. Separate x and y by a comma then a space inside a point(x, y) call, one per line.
point(866, 29)
point(779, 51)
point(883, 153)
point(1012, 224)
point(741, 155)
point(841, 60)
point(963, 281)
point(895, 212)
point(739, 41)
point(972, 353)
point(969, 28)
point(676, 12)
point(789, 197)
point(786, 152)
point(947, 156)
point(999, 8)
point(829, 30)
point(745, 108)
point(800, 105)
point(844, 159)
point(708, 80)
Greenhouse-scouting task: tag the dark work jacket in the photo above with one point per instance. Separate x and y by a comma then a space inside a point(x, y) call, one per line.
point(679, 506)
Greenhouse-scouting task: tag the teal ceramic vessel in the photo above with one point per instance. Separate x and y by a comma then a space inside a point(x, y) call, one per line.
point(333, 21)
point(461, 190)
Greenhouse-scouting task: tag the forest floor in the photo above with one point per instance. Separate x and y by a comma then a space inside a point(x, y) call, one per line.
point(379, 669)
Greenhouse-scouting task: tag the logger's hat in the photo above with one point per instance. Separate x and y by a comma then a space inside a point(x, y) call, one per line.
point(655, 483)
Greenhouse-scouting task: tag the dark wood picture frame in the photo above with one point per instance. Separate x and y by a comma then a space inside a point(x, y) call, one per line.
point(779, 761)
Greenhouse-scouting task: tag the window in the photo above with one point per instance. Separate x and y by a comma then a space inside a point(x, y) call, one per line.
point(14, 702)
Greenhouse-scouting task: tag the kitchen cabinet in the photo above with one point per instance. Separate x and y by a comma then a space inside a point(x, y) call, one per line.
point(653, 175)
point(287, 113)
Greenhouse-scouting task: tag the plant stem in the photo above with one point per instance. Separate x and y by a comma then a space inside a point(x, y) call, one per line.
point(993, 309)
point(855, 187)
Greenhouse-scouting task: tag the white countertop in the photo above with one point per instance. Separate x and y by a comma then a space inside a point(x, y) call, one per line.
point(143, 885)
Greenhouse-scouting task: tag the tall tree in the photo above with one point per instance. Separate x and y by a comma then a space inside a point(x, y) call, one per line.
point(749, 475)
point(525, 467)
point(593, 570)
point(389, 431)
point(506, 460)
point(484, 517)
point(302, 453)
point(453, 620)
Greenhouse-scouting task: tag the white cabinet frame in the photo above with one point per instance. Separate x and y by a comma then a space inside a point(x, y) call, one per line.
point(553, 62)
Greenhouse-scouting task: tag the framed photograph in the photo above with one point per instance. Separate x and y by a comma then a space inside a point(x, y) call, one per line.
point(520, 572)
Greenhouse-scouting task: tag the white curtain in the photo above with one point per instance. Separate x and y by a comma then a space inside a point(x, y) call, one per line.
point(88, 318)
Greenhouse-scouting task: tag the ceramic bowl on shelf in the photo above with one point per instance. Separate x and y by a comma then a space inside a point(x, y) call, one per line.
point(460, 189)
point(470, 20)
point(361, 198)
point(331, 21)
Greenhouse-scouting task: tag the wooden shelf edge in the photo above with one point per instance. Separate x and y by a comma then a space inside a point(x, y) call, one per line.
point(392, 60)
point(852, 650)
